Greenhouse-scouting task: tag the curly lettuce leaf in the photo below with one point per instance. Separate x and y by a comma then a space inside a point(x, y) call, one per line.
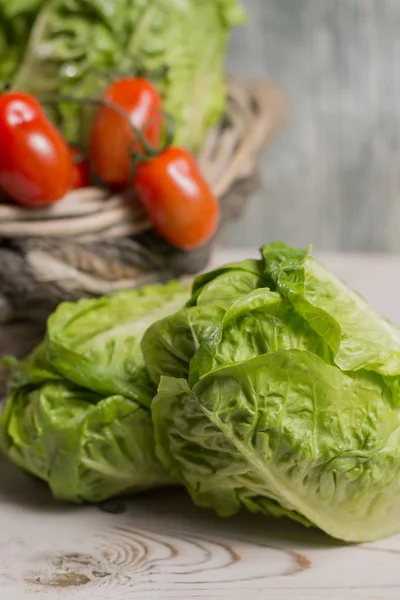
point(34, 369)
point(286, 431)
point(169, 345)
point(258, 323)
point(358, 336)
point(95, 343)
point(86, 447)
point(241, 323)
point(224, 285)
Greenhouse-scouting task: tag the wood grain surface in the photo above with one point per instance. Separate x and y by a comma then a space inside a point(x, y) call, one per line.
point(166, 549)
point(333, 177)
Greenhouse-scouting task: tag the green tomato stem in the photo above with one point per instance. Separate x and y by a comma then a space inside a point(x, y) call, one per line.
point(150, 151)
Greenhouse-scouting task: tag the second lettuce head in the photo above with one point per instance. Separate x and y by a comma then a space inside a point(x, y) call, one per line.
point(279, 392)
point(78, 414)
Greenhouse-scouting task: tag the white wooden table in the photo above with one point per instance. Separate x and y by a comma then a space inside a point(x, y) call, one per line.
point(160, 547)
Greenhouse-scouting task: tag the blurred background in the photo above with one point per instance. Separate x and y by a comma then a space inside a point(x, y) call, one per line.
point(332, 177)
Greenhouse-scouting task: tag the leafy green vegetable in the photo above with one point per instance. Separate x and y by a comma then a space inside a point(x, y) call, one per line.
point(64, 46)
point(78, 412)
point(95, 343)
point(279, 392)
point(87, 447)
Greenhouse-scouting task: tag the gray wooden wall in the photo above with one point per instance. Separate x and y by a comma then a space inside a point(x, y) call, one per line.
point(333, 177)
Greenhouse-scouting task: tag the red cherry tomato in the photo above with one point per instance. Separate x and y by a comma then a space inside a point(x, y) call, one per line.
point(80, 169)
point(35, 163)
point(112, 139)
point(177, 198)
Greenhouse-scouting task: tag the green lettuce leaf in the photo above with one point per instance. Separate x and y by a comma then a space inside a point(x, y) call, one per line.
point(287, 429)
point(34, 369)
point(262, 322)
point(86, 447)
point(169, 345)
point(358, 336)
point(16, 19)
point(95, 343)
point(223, 286)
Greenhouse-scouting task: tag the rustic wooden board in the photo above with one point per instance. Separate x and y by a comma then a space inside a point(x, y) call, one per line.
point(166, 549)
point(161, 547)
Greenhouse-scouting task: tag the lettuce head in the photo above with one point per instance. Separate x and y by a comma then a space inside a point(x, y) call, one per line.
point(78, 412)
point(279, 391)
point(87, 447)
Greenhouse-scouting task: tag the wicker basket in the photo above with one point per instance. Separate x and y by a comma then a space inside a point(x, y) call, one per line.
point(92, 243)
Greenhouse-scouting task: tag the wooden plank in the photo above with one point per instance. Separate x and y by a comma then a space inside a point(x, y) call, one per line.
point(164, 548)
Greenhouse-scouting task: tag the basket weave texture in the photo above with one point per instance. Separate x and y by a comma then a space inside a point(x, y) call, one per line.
point(92, 242)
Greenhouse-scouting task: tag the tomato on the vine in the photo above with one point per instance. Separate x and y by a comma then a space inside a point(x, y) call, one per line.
point(35, 162)
point(177, 198)
point(80, 169)
point(112, 140)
